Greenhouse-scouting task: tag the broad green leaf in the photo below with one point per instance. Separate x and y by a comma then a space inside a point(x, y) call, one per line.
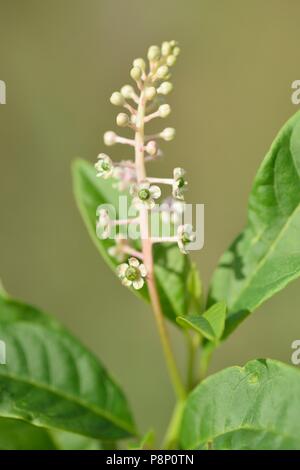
point(266, 255)
point(210, 324)
point(19, 435)
point(172, 268)
point(68, 441)
point(51, 380)
point(251, 407)
point(197, 323)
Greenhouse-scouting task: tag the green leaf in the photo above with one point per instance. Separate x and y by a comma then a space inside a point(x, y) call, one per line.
point(3, 292)
point(146, 442)
point(52, 381)
point(210, 324)
point(266, 255)
point(68, 441)
point(172, 268)
point(251, 407)
point(19, 435)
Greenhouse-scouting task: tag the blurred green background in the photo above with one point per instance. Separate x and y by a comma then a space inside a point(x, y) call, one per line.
point(61, 60)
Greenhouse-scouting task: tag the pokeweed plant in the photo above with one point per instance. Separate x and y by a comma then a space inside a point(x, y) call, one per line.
point(55, 394)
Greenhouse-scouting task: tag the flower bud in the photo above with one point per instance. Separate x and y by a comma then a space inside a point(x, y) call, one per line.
point(176, 51)
point(153, 53)
point(109, 138)
point(165, 88)
point(162, 71)
point(117, 99)
point(166, 48)
point(151, 147)
point(150, 93)
point(133, 118)
point(171, 60)
point(140, 63)
point(168, 134)
point(127, 91)
point(164, 110)
point(136, 73)
point(173, 43)
point(122, 119)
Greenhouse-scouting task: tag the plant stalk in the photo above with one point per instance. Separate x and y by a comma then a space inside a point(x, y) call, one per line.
point(148, 256)
point(170, 441)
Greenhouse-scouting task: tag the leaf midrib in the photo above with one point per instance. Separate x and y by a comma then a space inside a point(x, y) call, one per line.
point(90, 407)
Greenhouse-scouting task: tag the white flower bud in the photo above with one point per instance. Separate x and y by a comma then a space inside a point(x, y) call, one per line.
point(136, 73)
point(150, 93)
point(127, 91)
point(110, 138)
point(133, 118)
point(165, 88)
point(162, 71)
point(168, 134)
point(140, 63)
point(153, 53)
point(151, 147)
point(164, 110)
point(173, 43)
point(176, 51)
point(171, 60)
point(122, 119)
point(117, 99)
point(166, 48)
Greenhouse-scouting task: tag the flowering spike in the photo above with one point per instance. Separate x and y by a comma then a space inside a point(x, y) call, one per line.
point(151, 81)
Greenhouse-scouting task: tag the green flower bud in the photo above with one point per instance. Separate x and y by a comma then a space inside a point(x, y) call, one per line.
point(127, 91)
point(132, 273)
point(166, 48)
point(153, 53)
point(136, 73)
point(140, 63)
point(162, 71)
point(165, 88)
point(109, 138)
point(176, 51)
point(144, 194)
point(117, 99)
point(168, 134)
point(150, 93)
point(164, 110)
point(122, 119)
point(171, 60)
